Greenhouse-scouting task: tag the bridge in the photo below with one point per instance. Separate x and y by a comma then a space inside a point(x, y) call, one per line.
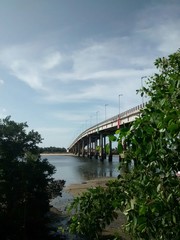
point(92, 141)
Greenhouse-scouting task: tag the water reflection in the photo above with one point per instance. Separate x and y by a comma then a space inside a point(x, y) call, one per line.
point(95, 169)
point(75, 169)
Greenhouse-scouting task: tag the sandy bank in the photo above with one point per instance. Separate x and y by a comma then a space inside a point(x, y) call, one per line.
point(78, 188)
point(116, 226)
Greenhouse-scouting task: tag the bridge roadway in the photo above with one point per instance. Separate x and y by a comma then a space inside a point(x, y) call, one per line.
point(92, 141)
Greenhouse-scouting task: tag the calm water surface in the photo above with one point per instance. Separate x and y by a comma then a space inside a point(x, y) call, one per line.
point(75, 169)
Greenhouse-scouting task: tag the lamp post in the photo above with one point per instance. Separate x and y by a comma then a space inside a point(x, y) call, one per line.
point(142, 88)
point(119, 118)
point(97, 121)
point(120, 95)
point(105, 110)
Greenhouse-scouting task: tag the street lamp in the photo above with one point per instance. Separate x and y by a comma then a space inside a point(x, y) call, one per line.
point(120, 95)
point(97, 121)
point(105, 109)
point(119, 119)
point(142, 88)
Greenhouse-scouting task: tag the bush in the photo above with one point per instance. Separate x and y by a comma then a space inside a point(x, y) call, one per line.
point(24, 178)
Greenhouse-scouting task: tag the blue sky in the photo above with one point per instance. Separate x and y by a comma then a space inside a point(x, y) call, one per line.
point(61, 61)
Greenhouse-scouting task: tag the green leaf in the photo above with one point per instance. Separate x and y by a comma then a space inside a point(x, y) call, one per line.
point(174, 219)
point(120, 147)
point(149, 148)
point(158, 187)
point(112, 138)
point(142, 210)
point(162, 102)
point(117, 131)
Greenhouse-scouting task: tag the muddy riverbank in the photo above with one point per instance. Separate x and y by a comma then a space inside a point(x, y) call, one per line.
point(73, 190)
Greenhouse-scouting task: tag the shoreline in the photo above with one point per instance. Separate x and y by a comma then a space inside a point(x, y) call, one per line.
point(78, 188)
point(57, 154)
point(115, 226)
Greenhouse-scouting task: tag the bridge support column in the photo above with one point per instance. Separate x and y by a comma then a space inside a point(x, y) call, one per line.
point(110, 151)
point(96, 152)
point(75, 149)
point(104, 152)
point(78, 149)
point(89, 147)
point(82, 150)
point(101, 155)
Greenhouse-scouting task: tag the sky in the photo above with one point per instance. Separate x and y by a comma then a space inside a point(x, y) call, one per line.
point(64, 63)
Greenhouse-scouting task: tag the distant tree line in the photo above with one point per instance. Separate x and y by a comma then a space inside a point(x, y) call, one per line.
point(52, 150)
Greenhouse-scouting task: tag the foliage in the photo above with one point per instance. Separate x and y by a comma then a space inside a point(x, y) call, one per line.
point(107, 149)
point(24, 178)
point(52, 150)
point(153, 143)
point(55, 187)
point(93, 210)
point(149, 191)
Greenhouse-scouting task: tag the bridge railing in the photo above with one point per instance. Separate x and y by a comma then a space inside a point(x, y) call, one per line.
point(93, 128)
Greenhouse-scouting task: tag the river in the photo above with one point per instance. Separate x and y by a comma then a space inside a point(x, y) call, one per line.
point(75, 169)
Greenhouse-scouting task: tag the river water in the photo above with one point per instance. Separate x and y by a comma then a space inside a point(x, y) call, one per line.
point(75, 169)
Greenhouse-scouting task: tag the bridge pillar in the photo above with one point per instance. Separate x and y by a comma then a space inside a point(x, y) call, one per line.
point(89, 147)
point(78, 149)
point(82, 149)
point(104, 152)
point(95, 146)
point(101, 155)
point(110, 151)
point(75, 149)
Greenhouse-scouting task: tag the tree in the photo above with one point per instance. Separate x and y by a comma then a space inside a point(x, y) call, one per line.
point(52, 150)
point(153, 189)
point(149, 189)
point(24, 178)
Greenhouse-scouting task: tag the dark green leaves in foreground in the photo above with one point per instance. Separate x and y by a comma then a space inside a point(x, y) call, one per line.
point(94, 210)
point(24, 179)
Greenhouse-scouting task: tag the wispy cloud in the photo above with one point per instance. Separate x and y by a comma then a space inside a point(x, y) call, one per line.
point(1, 82)
point(93, 64)
point(103, 66)
point(53, 60)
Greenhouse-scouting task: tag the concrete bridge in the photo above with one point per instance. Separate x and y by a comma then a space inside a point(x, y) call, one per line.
point(92, 141)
